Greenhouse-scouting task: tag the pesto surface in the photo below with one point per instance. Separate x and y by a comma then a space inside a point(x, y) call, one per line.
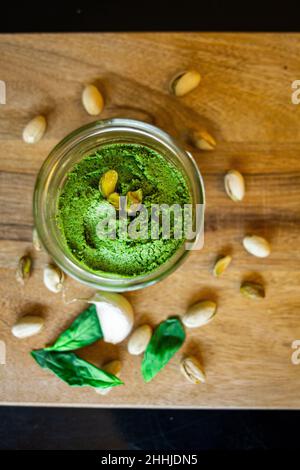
point(80, 202)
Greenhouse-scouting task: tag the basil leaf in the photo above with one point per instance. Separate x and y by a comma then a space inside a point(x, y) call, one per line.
point(166, 340)
point(84, 330)
point(75, 371)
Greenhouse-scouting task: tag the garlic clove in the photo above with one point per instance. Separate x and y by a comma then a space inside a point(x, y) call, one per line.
point(115, 315)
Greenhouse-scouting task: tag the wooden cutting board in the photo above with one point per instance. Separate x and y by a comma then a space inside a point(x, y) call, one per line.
point(244, 100)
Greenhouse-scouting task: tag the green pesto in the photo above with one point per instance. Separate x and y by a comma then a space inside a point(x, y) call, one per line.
point(138, 167)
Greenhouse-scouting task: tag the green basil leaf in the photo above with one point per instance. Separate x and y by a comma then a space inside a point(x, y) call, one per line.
point(166, 340)
point(84, 330)
point(75, 371)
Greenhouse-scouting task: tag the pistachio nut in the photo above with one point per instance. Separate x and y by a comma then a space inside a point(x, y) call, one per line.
point(23, 270)
point(92, 100)
point(185, 82)
point(257, 246)
point(199, 314)
point(28, 325)
point(252, 290)
point(134, 200)
point(114, 200)
point(221, 265)
point(192, 370)
point(234, 185)
point(108, 182)
point(139, 340)
point(34, 130)
point(53, 278)
point(202, 140)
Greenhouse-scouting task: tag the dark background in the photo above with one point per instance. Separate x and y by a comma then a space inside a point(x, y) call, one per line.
point(58, 428)
point(94, 429)
point(141, 15)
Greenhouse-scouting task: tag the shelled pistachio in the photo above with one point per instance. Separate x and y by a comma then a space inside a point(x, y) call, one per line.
point(202, 140)
point(114, 199)
point(252, 290)
point(134, 200)
point(23, 270)
point(221, 265)
point(108, 182)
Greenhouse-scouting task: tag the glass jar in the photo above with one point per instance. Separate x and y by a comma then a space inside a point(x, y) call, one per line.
point(61, 161)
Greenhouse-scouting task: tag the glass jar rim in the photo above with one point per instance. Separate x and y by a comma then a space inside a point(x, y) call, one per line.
point(53, 164)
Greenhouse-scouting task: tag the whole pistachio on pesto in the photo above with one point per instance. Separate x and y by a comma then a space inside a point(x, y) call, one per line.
point(108, 182)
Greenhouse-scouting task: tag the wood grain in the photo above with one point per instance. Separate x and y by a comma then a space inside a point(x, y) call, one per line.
point(245, 101)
